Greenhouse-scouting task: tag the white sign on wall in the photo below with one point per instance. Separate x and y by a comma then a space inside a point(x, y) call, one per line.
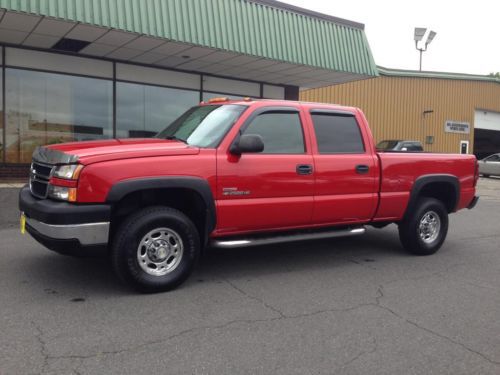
point(457, 127)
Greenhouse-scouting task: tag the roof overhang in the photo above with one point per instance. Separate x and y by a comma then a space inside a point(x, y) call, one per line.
point(260, 40)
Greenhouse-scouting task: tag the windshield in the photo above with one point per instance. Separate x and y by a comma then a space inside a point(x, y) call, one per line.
point(203, 126)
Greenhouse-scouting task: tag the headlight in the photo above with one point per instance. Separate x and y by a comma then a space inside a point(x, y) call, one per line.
point(62, 193)
point(68, 172)
point(64, 182)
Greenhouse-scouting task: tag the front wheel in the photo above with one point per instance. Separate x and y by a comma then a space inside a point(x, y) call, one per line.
point(155, 249)
point(424, 229)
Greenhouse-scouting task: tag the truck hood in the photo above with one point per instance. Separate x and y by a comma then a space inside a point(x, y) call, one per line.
point(113, 149)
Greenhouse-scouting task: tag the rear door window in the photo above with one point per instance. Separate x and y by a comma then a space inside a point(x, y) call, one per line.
point(337, 133)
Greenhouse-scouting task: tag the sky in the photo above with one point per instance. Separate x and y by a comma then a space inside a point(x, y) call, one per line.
point(467, 40)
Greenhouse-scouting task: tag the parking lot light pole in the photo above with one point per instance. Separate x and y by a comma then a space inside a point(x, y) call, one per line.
point(418, 36)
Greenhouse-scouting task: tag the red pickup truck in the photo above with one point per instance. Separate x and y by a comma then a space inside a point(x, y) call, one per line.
point(237, 173)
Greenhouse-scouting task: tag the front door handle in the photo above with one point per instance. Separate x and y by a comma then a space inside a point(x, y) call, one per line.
point(304, 169)
point(362, 169)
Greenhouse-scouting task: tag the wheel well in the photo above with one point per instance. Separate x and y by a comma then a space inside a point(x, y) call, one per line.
point(442, 191)
point(186, 200)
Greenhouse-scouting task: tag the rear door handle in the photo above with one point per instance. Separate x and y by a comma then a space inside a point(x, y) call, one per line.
point(304, 169)
point(362, 169)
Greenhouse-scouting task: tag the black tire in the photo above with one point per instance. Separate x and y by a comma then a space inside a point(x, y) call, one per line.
point(409, 228)
point(486, 175)
point(133, 231)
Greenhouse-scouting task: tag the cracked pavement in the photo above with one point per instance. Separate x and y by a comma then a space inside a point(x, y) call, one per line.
point(345, 306)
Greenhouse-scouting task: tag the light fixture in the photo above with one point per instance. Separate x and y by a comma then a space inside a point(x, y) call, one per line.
point(431, 36)
point(419, 33)
point(418, 36)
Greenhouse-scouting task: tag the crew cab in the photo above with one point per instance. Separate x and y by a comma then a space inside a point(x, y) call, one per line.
point(237, 173)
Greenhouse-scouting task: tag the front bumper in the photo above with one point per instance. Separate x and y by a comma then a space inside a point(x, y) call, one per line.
point(65, 227)
point(87, 234)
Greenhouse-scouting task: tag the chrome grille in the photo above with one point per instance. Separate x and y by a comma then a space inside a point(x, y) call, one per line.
point(39, 178)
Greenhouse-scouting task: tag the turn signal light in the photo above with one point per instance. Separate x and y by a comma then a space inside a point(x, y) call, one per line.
point(72, 195)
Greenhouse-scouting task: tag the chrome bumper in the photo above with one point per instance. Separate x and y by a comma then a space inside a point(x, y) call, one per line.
point(86, 234)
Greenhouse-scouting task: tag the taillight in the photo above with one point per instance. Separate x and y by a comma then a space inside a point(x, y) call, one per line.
point(476, 173)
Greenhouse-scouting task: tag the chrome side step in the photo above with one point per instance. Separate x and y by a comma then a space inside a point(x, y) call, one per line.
point(229, 243)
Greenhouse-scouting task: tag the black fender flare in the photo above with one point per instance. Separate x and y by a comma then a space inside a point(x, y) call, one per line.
point(197, 184)
point(425, 180)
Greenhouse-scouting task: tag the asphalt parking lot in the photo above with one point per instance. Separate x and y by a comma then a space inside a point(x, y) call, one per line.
point(343, 306)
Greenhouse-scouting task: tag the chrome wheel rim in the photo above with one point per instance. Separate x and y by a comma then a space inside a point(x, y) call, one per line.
point(429, 227)
point(160, 251)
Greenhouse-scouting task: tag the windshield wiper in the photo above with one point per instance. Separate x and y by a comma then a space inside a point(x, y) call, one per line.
point(175, 138)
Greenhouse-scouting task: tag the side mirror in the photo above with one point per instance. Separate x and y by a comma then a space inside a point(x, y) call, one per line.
point(248, 143)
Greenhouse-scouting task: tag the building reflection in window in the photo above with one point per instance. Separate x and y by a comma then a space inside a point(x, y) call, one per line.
point(144, 110)
point(46, 108)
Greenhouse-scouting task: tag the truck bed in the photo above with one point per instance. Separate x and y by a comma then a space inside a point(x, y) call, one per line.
point(400, 170)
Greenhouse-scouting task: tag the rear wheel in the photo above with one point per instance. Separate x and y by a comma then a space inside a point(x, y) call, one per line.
point(424, 229)
point(155, 249)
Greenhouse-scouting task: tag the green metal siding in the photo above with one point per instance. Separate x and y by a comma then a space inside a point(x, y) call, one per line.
point(438, 75)
point(234, 25)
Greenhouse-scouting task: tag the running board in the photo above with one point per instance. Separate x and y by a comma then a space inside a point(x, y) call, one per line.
point(229, 243)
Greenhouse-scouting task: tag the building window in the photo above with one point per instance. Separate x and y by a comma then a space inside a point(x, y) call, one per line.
point(236, 87)
point(280, 131)
point(143, 110)
point(46, 108)
point(337, 134)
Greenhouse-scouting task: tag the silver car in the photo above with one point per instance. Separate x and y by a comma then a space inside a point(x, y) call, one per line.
point(490, 165)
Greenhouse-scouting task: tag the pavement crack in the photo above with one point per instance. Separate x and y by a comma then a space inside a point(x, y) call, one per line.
point(380, 295)
point(490, 287)
point(39, 335)
point(207, 327)
point(485, 357)
point(440, 273)
point(255, 298)
point(373, 349)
